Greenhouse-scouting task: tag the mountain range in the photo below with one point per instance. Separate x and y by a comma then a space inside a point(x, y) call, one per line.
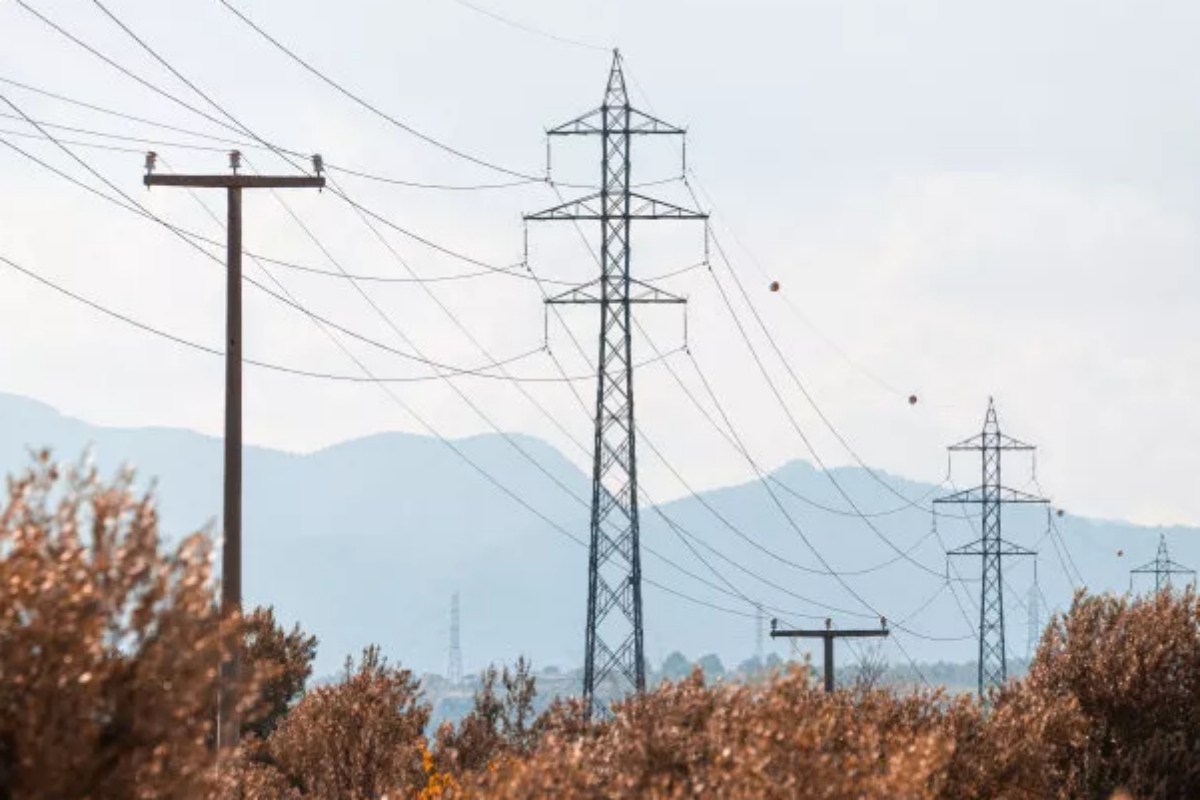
point(365, 541)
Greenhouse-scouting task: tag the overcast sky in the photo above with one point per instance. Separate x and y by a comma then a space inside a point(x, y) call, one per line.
point(966, 199)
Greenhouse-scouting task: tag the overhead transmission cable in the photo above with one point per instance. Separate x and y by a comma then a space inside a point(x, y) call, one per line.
point(133, 205)
point(828, 569)
point(373, 108)
point(136, 208)
point(233, 125)
point(512, 23)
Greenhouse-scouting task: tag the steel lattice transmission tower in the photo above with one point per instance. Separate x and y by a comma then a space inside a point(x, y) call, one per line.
point(991, 496)
point(455, 668)
point(613, 640)
point(1162, 567)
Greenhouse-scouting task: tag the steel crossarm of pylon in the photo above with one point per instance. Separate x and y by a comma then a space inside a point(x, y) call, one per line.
point(1003, 548)
point(997, 441)
point(591, 208)
point(637, 122)
point(1004, 495)
point(591, 293)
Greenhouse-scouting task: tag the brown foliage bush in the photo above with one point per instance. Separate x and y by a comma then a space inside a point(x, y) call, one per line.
point(1132, 667)
point(109, 647)
point(496, 725)
point(285, 661)
point(781, 739)
point(359, 739)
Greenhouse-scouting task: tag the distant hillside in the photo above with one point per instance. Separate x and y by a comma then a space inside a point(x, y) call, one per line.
point(365, 542)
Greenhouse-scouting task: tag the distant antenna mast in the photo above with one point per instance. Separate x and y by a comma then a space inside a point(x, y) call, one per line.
point(1035, 617)
point(454, 671)
point(758, 635)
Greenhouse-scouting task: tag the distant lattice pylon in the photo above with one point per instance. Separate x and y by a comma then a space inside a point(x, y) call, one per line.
point(1162, 567)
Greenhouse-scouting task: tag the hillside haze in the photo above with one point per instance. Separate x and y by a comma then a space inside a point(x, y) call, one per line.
point(365, 542)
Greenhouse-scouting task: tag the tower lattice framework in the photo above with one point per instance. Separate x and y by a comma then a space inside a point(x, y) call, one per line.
point(613, 642)
point(991, 496)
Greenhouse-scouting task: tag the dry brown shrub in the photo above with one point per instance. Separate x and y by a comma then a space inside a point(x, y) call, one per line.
point(1133, 669)
point(497, 724)
point(285, 661)
point(109, 646)
point(359, 739)
point(781, 739)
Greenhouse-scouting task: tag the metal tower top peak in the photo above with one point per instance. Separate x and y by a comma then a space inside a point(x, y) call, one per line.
point(616, 95)
point(991, 423)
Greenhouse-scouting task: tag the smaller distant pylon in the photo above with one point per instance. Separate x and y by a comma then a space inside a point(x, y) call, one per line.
point(1162, 568)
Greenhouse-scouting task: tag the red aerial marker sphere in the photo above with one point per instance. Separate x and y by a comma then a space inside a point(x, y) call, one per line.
point(774, 286)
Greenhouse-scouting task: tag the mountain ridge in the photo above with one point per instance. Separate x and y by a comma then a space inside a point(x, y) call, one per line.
point(365, 540)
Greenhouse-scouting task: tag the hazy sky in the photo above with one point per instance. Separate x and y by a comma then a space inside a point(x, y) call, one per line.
point(967, 199)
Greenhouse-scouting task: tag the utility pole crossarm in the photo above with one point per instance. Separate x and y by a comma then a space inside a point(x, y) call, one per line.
point(237, 181)
point(841, 633)
point(829, 634)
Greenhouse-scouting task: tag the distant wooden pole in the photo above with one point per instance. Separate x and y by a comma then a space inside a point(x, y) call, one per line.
point(228, 718)
point(828, 635)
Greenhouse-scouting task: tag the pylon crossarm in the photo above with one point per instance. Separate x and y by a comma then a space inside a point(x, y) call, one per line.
point(638, 122)
point(591, 122)
point(589, 293)
point(586, 293)
point(652, 294)
point(590, 208)
point(976, 495)
point(581, 208)
point(976, 549)
point(1001, 441)
point(652, 208)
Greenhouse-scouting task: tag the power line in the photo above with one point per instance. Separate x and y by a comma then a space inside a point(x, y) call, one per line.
point(132, 205)
point(321, 321)
point(193, 345)
point(804, 437)
point(236, 125)
point(529, 28)
point(370, 107)
point(137, 208)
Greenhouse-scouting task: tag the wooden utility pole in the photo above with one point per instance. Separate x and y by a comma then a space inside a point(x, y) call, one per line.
point(228, 718)
point(828, 634)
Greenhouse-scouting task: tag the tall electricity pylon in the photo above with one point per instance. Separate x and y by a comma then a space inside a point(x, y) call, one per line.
point(1162, 567)
point(992, 496)
point(613, 641)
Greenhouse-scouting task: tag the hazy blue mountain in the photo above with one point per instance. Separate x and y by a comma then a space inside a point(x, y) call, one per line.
point(365, 542)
